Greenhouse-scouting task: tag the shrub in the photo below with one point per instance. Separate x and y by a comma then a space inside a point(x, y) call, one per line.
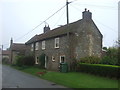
point(5, 60)
point(24, 60)
point(90, 59)
point(29, 60)
point(111, 57)
point(73, 65)
point(99, 69)
point(109, 60)
point(19, 60)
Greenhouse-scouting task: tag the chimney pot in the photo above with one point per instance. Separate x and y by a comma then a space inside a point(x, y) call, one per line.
point(87, 14)
point(46, 28)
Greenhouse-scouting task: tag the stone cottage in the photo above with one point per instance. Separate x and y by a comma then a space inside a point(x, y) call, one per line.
point(67, 43)
point(5, 54)
point(16, 49)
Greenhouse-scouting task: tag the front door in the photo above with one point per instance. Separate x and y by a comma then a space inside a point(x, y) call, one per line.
point(45, 61)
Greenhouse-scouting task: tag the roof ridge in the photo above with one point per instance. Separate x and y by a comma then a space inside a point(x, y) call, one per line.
point(51, 33)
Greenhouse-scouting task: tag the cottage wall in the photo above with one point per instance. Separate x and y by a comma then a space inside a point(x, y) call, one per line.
point(50, 51)
point(86, 40)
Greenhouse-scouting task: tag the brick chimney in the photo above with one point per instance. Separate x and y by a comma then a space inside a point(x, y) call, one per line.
point(46, 28)
point(87, 14)
point(11, 42)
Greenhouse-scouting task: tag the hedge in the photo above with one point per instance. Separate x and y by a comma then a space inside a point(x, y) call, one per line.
point(90, 59)
point(24, 60)
point(99, 69)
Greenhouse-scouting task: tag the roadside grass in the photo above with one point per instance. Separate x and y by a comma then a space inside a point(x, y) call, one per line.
point(72, 79)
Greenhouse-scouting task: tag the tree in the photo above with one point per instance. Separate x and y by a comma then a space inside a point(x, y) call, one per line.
point(111, 56)
point(105, 48)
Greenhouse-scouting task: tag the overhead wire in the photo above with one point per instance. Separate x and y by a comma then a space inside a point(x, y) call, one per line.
point(57, 12)
point(106, 26)
point(41, 23)
point(38, 25)
point(102, 6)
point(59, 19)
point(97, 20)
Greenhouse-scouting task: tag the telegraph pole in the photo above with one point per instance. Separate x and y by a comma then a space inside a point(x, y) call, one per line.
point(67, 12)
point(2, 52)
point(68, 36)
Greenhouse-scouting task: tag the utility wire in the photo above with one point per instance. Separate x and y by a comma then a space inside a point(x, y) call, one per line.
point(106, 26)
point(97, 20)
point(59, 19)
point(76, 8)
point(44, 20)
point(37, 25)
point(41, 23)
point(114, 8)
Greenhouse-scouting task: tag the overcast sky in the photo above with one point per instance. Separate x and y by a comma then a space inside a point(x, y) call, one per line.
point(21, 16)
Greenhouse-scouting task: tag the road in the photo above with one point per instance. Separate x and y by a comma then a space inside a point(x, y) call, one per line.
point(12, 78)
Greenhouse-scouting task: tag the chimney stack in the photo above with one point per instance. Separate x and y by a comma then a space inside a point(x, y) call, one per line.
point(46, 28)
point(11, 42)
point(86, 14)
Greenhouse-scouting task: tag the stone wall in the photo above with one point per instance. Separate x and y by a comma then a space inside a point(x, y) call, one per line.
point(50, 51)
point(86, 40)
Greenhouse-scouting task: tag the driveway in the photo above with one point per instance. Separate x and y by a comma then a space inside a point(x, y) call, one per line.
point(12, 78)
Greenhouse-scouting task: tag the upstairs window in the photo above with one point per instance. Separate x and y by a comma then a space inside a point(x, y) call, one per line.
point(56, 42)
point(36, 46)
point(43, 45)
point(32, 47)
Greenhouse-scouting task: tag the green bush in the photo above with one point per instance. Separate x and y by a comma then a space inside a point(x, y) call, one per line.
point(99, 69)
point(29, 60)
point(5, 60)
point(73, 65)
point(90, 59)
point(24, 60)
point(111, 57)
point(19, 60)
point(109, 60)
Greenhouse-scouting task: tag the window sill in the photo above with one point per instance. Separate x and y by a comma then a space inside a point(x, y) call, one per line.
point(53, 60)
point(57, 47)
point(43, 49)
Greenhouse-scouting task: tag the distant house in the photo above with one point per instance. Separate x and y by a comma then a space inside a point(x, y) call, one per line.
point(5, 54)
point(16, 49)
point(67, 43)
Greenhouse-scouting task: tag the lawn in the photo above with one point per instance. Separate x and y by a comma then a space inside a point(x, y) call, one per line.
point(73, 79)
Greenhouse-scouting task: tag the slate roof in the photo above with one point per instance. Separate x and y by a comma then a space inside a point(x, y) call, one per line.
point(82, 23)
point(18, 47)
point(5, 52)
point(55, 32)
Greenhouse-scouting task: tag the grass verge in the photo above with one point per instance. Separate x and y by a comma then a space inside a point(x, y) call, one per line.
point(72, 79)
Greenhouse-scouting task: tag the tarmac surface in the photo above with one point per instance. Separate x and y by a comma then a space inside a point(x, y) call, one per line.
point(12, 78)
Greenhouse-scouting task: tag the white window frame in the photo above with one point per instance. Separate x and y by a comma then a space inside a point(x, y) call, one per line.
point(62, 56)
point(43, 45)
point(32, 47)
point(53, 58)
point(36, 45)
point(57, 42)
point(45, 61)
point(36, 61)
